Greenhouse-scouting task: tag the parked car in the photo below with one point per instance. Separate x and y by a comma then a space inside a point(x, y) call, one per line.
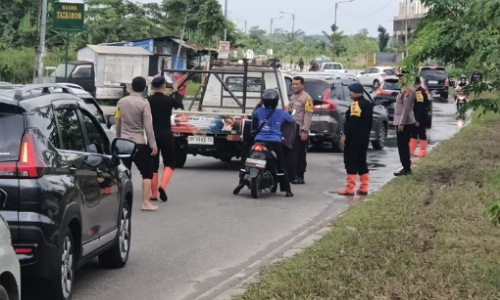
point(387, 93)
point(10, 276)
point(374, 76)
point(86, 98)
point(76, 196)
point(332, 67)
point(436, 80)
point(331, 101)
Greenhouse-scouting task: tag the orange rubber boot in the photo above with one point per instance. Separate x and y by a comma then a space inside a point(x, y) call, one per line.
point(167, 175)
point(363, 188)
point(423, 149)
point(154, 187)
point(349, 189)
point(413, 146)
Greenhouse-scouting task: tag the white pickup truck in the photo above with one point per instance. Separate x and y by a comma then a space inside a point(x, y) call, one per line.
point(221, 122)
point(332, 67)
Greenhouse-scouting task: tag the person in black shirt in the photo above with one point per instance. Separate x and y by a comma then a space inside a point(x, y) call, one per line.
point(477, 76)
point(420, 109)
point(161, 109)
point(356, 138)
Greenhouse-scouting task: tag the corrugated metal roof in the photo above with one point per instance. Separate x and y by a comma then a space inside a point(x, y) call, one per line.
point(119, 50)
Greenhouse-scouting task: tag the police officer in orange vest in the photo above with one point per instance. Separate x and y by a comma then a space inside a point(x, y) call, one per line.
point(420, 109)
point(356, 138)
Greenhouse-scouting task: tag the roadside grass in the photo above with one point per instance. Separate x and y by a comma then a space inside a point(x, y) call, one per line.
point(192, 89)
point(425, 236)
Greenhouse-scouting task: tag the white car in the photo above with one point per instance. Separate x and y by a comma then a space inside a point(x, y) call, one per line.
point(332, 67)
point(10, 271)
point(374, 76)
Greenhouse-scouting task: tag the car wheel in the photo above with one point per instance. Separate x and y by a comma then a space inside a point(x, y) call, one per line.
point(379, 144)
point(376, 84)
point(337, 146)
point(117, 256)
point(3, 293)
point(62, 283)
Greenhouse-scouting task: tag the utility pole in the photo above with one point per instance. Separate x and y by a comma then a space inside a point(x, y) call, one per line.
point(225, 17)
point(41, 50)
point(245, 27)
point(406, 28)
point(271, 28)
point(336, 7)
point(180, 44)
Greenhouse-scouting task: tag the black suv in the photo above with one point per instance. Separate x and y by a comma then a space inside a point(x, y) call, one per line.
point(436, 81)
point(331, 101)
point(68, 197)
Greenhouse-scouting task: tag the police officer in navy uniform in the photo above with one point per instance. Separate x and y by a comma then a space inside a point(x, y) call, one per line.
point(161, 110)
point(355, 139)
point(420, 109)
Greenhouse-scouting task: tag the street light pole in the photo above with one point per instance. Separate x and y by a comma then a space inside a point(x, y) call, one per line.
point(271, 28)
point(293, 21)
point(41, 50)
point(336, 7)
point(406, 27)
point(225, 17)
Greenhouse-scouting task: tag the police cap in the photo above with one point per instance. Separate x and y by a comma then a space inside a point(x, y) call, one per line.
point(356, 88)
point(158, 81)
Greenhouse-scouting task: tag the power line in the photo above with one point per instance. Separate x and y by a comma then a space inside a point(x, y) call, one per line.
point(369, 15)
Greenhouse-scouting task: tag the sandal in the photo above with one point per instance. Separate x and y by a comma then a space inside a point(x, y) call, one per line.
point(149, 207)
point(153, 199)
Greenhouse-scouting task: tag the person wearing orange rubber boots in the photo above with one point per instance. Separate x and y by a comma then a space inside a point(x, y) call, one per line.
point(355, 139)
point(420, 109)
point(161, 109)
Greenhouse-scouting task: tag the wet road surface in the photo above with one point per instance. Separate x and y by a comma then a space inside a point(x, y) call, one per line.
point(197, 244)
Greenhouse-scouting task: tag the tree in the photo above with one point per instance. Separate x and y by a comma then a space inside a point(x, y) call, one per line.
point(212, 21)
point(336, 38)
point(383, 38)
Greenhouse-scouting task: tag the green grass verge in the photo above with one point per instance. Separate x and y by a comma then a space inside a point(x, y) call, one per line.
point(425, 236)
point(192, 88)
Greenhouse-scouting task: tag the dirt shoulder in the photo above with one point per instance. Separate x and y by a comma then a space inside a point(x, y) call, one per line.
point(426, 236)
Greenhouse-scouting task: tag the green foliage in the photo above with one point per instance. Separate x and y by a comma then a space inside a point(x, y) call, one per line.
point(383, 38)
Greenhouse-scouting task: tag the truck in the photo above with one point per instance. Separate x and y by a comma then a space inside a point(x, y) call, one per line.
point(105, 71)
point(220, 123)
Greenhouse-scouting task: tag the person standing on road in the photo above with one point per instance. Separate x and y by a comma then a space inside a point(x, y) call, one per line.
point(420, 110)
point(301, 108)
point(133, 119)
point(161, 109)
point(477, 76)
point(355, 139)
point(404, 120)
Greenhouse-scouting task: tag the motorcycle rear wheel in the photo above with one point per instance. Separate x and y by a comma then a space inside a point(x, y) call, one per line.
point(256, 186)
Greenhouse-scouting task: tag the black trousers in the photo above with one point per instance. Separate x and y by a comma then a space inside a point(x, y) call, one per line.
point(403, 138)
point(296, 158)
point(166, 148)
point(142, 160)
point(355, 157)
point(280, 157)
point(420, 132)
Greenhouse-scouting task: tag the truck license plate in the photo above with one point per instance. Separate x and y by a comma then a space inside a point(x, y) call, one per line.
point(200, 140)
point(256, 163)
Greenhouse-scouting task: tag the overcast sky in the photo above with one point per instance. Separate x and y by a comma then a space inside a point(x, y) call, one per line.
point(312, 16)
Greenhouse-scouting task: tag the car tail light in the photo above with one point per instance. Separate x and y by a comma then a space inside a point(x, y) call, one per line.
point(381, 92)
point(29, 164)
point(258, 148)
point(327, 104)
point(25, 251)
point(446, 82)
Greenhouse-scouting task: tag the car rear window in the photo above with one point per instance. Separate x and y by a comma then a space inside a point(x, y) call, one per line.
point(11, 131)
point(431, 72)
point(316, 89)
point(391, 85)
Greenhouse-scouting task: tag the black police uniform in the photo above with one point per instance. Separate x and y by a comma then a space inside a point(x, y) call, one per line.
point(358, 124)
point(420, 109)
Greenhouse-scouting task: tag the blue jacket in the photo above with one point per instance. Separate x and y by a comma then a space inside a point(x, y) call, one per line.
point(271, 131)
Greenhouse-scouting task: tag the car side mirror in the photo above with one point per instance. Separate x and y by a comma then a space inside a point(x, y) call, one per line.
point(362, 73)
point(122, 148)
point(110, 121)
point(93, 160)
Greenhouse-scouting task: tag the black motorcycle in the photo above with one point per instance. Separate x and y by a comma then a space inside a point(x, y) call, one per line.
point(261, 169)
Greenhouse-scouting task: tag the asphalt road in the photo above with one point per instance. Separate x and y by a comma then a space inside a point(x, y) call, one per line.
point(198, 242)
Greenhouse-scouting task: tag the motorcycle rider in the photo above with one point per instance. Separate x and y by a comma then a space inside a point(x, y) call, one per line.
point(463, 81)
point(270, 119)
point(460, 100)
